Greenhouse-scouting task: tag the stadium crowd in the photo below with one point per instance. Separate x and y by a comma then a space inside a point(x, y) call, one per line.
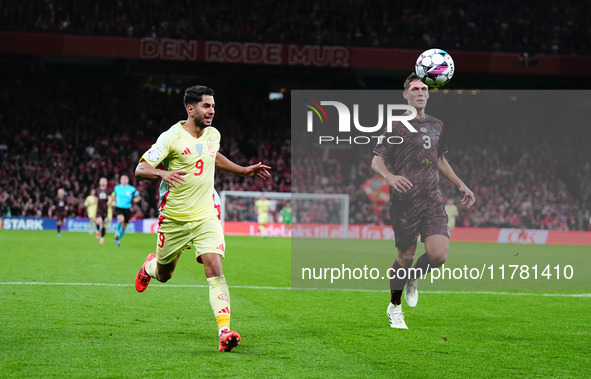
point(73, 143)
point(531, 179)
point(523, 173)
point(526, 26)
point(527, 192)
point(88, 131)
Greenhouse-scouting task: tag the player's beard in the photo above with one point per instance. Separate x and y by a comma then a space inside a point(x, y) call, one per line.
point(200, 122)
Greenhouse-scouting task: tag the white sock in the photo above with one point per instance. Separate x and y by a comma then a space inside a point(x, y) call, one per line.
point(151, 268)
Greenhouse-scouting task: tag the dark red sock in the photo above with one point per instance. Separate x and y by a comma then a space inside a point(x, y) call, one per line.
point(59, 228)
point(395, 297)
point(103, 231)
point(396, 283)
point(424, 264)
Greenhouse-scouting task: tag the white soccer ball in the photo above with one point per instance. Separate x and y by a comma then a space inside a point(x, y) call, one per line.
point(435, 67)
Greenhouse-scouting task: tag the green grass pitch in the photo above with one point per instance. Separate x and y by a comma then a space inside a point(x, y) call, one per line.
point(62, 327)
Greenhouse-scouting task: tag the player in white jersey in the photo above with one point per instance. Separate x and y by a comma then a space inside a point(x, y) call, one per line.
point(189, 154)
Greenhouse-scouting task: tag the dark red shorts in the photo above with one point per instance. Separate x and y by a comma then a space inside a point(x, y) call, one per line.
point(413, 217)
point(102, 213)
point(60, 215)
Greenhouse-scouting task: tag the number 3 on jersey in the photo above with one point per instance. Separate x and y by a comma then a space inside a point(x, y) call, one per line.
point(427, 144)
point(199, 167)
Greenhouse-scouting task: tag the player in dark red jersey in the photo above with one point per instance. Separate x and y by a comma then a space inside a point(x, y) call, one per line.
point(103, 194)
point(60, 208)
point(416, 204)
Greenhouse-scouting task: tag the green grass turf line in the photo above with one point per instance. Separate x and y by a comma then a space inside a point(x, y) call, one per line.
point(323, 254)
point(84, 331)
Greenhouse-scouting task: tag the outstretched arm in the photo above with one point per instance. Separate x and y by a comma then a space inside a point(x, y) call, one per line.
point(224, 164)
point(144, 170)
point(446, 170)
point(399, 183)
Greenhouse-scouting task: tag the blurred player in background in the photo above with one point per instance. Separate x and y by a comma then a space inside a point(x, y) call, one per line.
point(188, 218)
point(451, 210)
point(416, 204)
point(262, 208)
point(91, 203)
point(286, 216)
point(523, 222)
point(103, 194)
point(60, 208)
point(124, 195)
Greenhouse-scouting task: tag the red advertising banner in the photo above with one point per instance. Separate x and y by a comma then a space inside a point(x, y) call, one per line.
point(252, 229)
point(556, 237)
point(279, 54)
point(475, 234)
point(384, 232)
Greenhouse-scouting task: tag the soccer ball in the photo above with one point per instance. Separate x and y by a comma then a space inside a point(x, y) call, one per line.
point(435, 67)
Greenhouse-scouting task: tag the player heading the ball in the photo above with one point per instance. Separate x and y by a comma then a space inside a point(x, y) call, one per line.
point(416, 204)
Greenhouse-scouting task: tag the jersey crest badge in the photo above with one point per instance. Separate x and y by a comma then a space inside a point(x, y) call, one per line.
point(211, 145)
point(199, 148)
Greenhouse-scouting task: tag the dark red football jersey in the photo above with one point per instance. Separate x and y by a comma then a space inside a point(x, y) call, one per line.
point(103, 198)
point(415, 158)
point(60, 204)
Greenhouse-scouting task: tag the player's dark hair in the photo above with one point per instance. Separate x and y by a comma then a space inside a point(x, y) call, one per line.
point(410, 78)
point(194, 94)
